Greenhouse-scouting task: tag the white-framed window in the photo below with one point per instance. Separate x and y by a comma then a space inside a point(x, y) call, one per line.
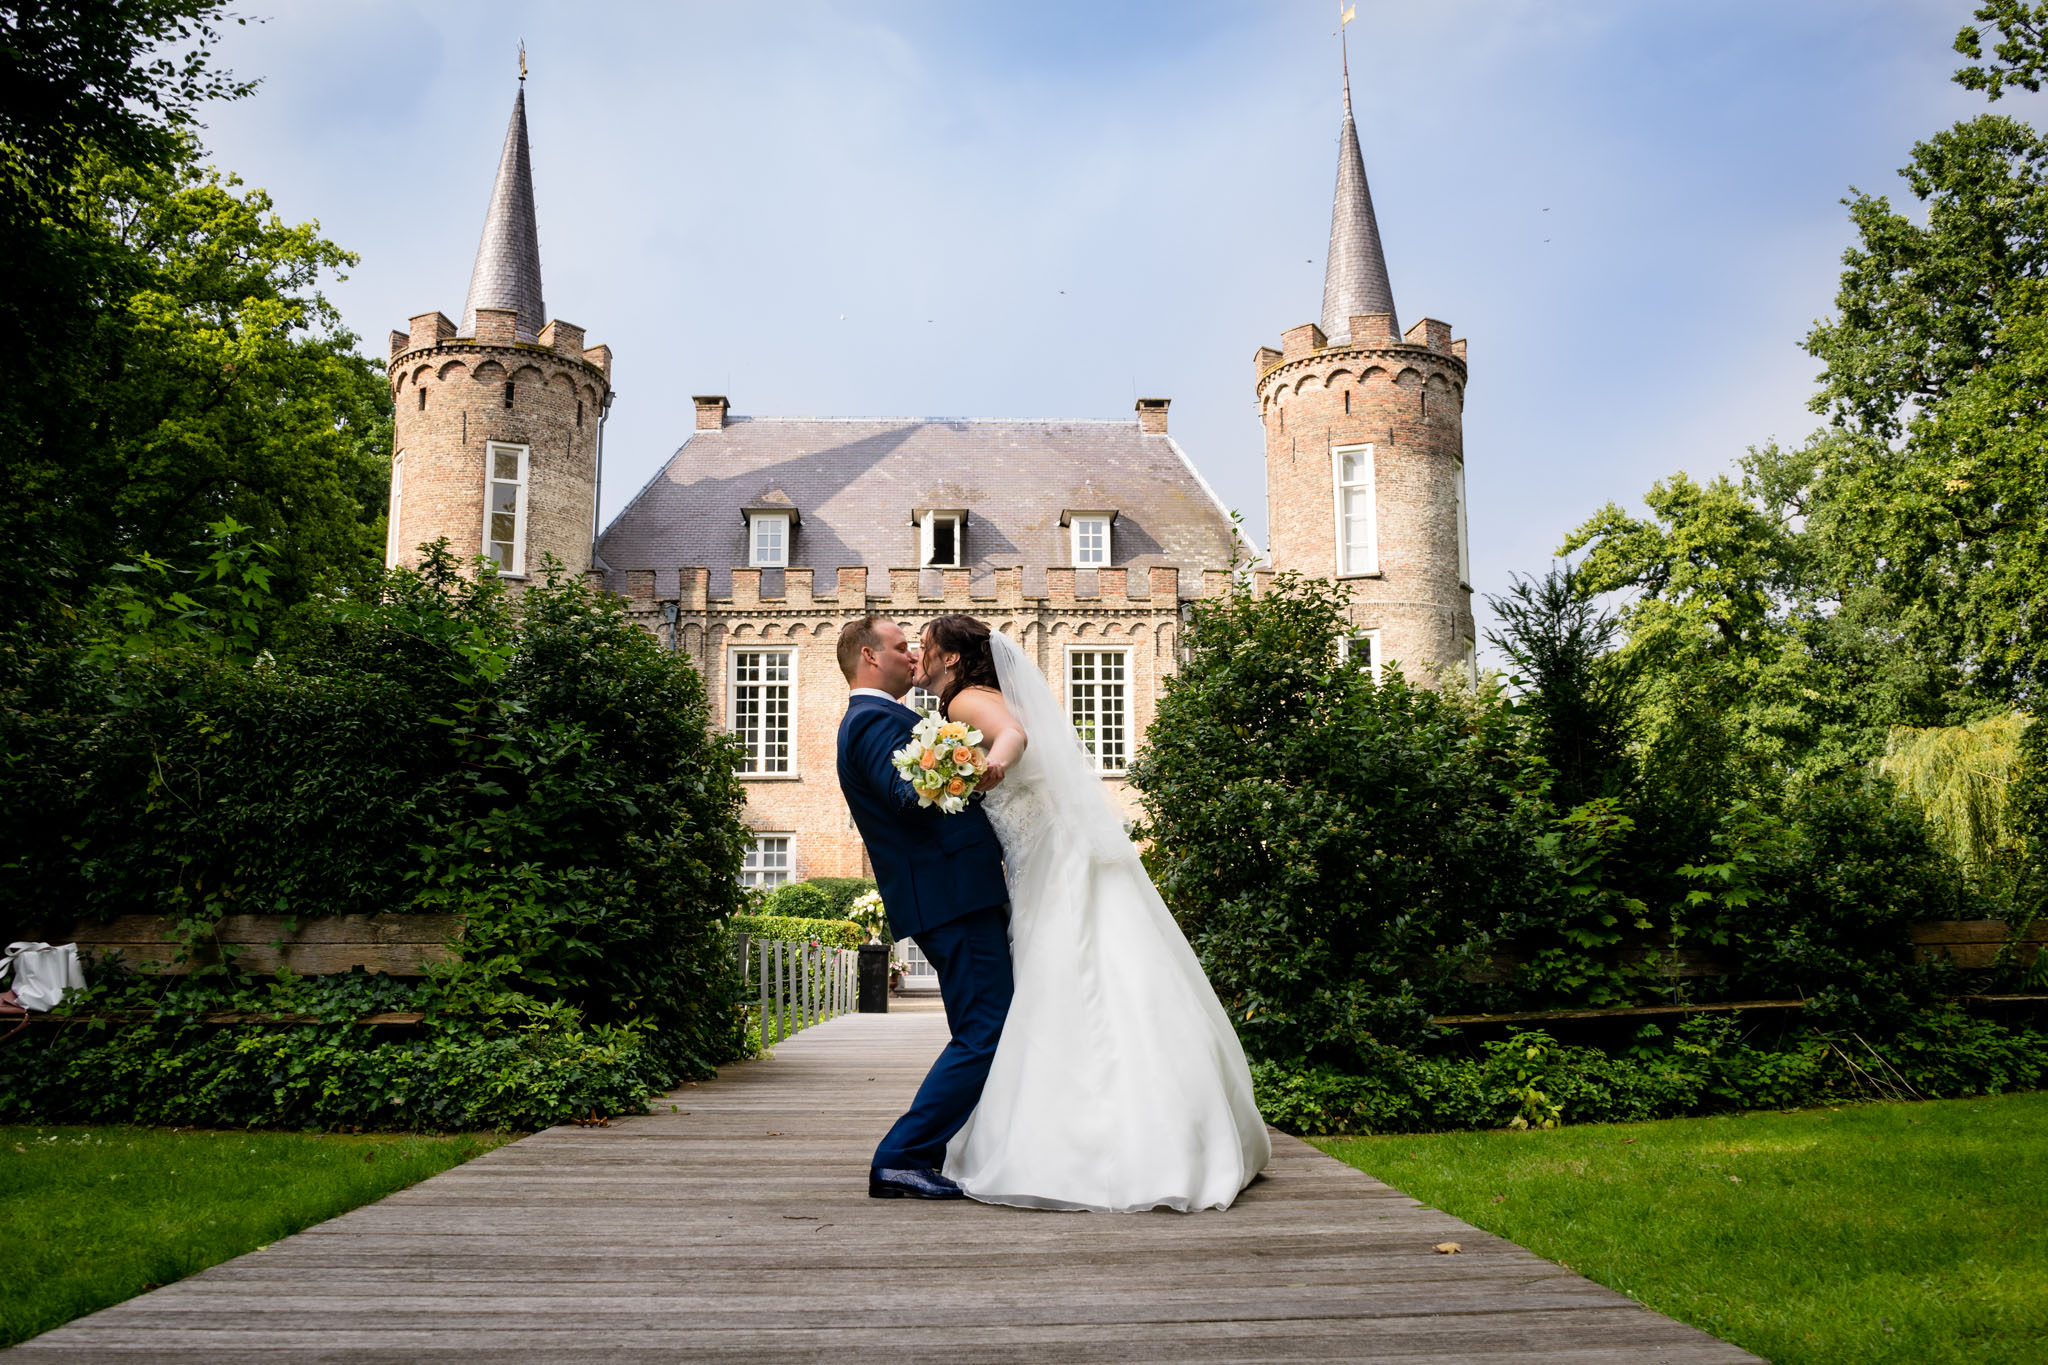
point(1471, 660)
point(771, 861)
point(761, 708)
point(392, 531)
point(1361, 650)
point(1358, 541)
point(1464, 536)
point(1090, 540)
point(505, 506)
point(768, 540)
point(923, 702)
point(1098, 702)
point(942, 535)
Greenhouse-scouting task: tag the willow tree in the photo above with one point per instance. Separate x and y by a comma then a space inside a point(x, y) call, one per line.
point(1961, 777)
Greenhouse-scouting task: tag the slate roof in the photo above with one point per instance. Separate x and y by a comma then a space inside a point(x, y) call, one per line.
point(507, 273)
point(855, 481)
point(1355, 279)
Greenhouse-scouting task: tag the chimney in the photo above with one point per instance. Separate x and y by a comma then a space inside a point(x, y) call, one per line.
point(711, 412)
point(1152, 415)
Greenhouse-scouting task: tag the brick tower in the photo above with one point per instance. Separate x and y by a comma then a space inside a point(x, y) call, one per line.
point(1365, 449)
point(498, 434)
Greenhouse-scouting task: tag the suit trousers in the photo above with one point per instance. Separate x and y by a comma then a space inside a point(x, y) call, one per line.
point(971, 955)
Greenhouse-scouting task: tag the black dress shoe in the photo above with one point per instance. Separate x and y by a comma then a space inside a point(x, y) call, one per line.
point(912, 1185)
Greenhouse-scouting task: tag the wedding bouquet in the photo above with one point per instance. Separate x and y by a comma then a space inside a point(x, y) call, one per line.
point(943, 763)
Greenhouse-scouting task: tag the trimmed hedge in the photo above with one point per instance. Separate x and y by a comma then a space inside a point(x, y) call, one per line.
point(833, 933)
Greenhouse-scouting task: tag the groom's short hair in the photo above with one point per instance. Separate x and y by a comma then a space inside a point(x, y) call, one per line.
point(855, 636)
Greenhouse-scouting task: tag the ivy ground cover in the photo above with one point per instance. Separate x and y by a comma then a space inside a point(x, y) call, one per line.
point(1874, 1233)
point(98, 1215)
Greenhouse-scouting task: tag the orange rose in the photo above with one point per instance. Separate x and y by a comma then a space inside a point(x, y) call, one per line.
point(962, 757)
point(956, 786)
point(928, 759)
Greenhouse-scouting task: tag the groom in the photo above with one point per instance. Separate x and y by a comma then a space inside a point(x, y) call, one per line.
point(941, 877)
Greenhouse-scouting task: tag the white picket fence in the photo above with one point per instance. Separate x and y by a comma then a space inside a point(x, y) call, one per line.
point(797, 985)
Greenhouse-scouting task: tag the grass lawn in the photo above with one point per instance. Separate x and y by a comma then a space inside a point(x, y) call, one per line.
point(1885, 1232)
point(96, 1215)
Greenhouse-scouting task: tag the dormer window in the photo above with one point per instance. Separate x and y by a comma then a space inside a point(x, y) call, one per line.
point(769, 540)
point(1088, 537)
point(942, 536)
point(771, 520)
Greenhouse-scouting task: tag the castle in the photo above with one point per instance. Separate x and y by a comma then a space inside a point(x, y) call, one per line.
point(1086, 541)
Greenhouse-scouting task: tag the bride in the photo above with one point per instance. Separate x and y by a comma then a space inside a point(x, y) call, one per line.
point(1119, 1084)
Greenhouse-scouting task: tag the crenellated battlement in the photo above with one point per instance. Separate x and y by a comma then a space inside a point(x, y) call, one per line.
point(433, 334)
point(1153, 590)
point(1373, 335)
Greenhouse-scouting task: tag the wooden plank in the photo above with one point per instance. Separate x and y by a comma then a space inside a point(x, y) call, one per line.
point(1629, 1012)
point(732, 1223)
point(1974, 944)
point(401, 945)
point(1684, 963)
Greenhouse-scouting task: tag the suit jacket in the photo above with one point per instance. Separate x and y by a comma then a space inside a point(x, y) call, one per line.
point(929, 866)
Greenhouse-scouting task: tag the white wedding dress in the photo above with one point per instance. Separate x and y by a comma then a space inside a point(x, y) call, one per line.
point(1119, 1084)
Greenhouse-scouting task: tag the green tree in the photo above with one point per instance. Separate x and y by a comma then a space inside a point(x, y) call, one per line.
point(1932, 490)
point(1580, 700)
point(2018, 57)
point(1710, 576)
point(169, 358)
point(1335, 850)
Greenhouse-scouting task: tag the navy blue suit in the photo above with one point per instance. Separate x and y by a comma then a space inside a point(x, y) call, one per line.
point(941, 878)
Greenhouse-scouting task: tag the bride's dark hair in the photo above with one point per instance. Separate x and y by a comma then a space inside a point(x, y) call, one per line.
point(967, 637)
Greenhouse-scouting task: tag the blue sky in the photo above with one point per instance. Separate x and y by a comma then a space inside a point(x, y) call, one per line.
point(1630, 208)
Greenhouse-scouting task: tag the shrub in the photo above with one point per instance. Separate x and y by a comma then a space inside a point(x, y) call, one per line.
point(326, 1076)
point(482, 1059)
point(799, 900)
point(842, 892)
point(817, 897)
point(1335, 850)
point(1813, 900)
point(833, 933)
point(1704, 1067)
point(542, 769)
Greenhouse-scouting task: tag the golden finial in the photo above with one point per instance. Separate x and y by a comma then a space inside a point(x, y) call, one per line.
point(522, 59)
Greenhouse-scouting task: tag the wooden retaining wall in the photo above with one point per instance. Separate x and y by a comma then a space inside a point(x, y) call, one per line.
point(400, 945)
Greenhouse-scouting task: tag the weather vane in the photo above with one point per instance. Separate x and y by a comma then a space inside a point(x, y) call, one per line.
point(1345, 14)
point(522, 59)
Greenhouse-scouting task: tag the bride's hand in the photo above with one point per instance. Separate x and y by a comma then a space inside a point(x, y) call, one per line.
point(992, 777)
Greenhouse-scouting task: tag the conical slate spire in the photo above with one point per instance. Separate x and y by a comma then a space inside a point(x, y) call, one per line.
point(507, 273)
point(1355, 280)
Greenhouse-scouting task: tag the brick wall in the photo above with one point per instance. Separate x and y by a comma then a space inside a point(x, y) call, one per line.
point(558, 393)
point(1142, 619)
point(1405, 398)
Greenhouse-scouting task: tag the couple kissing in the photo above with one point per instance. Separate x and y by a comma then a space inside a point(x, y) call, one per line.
point(1090, 1064)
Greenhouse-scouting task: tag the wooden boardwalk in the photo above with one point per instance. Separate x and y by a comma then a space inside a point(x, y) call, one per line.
point(738, 1227)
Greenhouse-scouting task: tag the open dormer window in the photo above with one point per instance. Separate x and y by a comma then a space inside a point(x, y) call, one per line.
point(768, 540)
point(943, 536)
point(1088, 537)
